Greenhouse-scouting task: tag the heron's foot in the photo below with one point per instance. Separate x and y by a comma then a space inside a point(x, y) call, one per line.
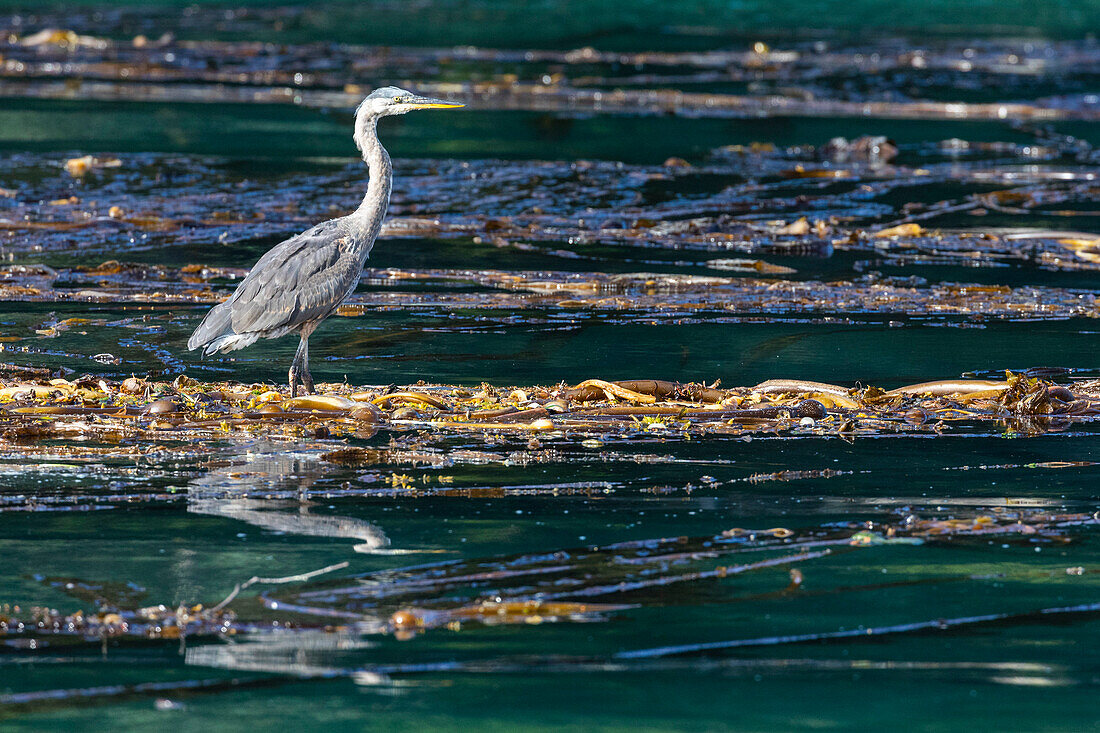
point(300, 377)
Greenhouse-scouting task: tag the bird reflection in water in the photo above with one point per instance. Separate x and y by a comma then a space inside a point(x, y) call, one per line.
point(304, 653)
point(258, 487)
point(269, 487)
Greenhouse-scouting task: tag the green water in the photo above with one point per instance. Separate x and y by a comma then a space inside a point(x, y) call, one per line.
point(270, 134)
point(638, 24)
point(180, 528)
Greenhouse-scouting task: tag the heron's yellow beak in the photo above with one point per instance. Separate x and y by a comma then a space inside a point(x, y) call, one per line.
point(429, 103)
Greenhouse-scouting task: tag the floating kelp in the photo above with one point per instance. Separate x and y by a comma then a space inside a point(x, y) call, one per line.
point(740, 202)
point(524, 590)
point(136, 410)
point(1050, 615)
point(511, 590)
point(625, 295)
point(541, 98)
point(807, 79)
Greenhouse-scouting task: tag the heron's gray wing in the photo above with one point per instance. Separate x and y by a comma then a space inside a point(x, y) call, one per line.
point(300, 280)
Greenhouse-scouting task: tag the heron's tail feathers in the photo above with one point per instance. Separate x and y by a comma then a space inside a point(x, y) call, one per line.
point(216, 333)
point(229, 342)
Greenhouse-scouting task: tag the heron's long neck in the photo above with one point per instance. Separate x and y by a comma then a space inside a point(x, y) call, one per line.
point(370, 213)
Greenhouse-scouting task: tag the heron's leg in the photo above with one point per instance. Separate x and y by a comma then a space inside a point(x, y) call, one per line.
point(294, 377)
point(307, 378)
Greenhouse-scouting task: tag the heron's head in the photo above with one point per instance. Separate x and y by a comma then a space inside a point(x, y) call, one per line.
point(396, 101)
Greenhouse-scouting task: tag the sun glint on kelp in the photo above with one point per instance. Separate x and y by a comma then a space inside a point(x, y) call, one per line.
point(135, 410)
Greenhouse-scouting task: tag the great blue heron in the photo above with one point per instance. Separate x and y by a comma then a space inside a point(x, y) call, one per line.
point(302, 281)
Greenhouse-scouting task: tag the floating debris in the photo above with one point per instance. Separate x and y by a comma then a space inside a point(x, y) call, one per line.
point(524, 590)
point(140, 410)
point(78, 167)
point(808, 79)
